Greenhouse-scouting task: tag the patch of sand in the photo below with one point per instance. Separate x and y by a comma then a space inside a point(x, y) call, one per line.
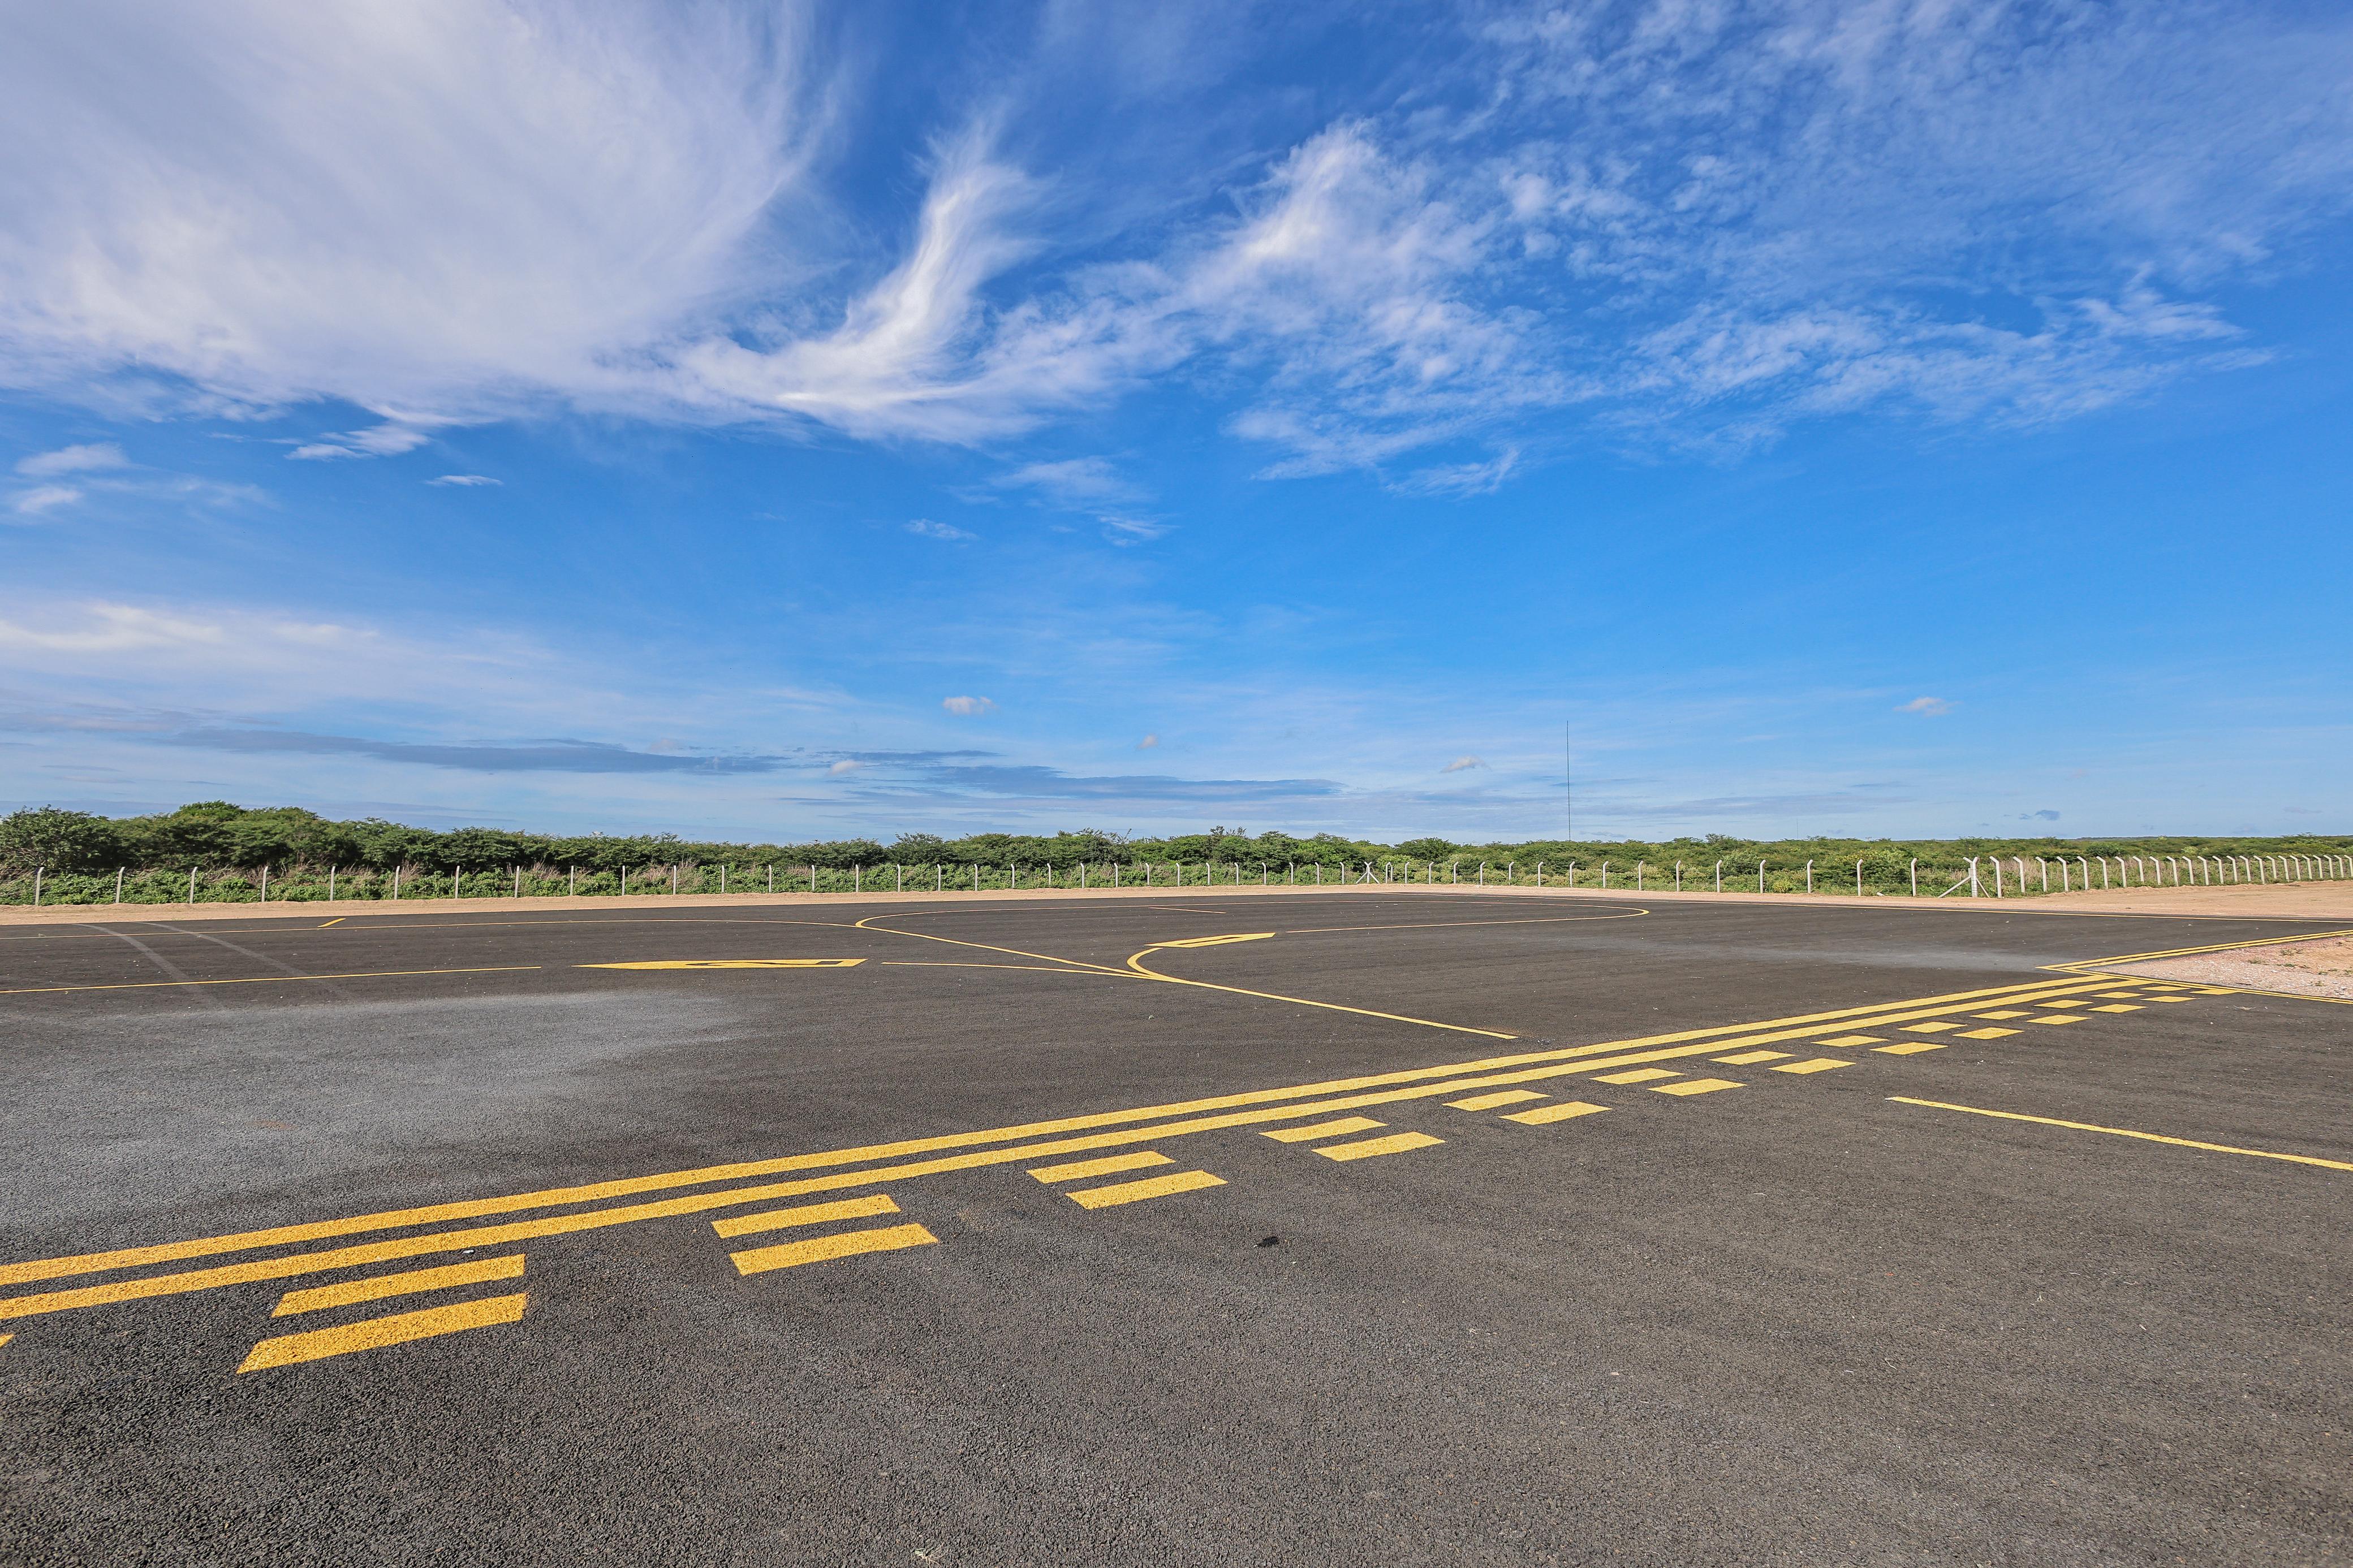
point(2322, 968)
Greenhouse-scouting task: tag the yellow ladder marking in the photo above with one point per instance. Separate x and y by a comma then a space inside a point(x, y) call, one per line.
point(1102, 1167)
point(1914, 1048)
point(397, 1330)
point(1395, 1143)
point(1851, 1040)
point(2059, 1018)
point(1819, 1064)
point(1489, 1101)
point(2121, 996)
point(2128, 1132)
point(1150, 1188)
point(1634, 1074)
point(807, 1214)
point(1747, 1058)
point(736, 964)
point(824, 1249)
point(1323, 1129)
point(2173, 998)
point(1544, 1114)
point(381, 1285)
point(1697, 1086)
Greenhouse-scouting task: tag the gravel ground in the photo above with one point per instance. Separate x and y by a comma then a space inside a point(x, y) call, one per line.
point(2297, 968)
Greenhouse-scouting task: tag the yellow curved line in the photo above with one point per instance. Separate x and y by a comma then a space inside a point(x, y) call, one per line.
point(1136, 964)
point(1436, 925)
point(1078, 963)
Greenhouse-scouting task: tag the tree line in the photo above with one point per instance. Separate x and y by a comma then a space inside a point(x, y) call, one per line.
point(218, 835)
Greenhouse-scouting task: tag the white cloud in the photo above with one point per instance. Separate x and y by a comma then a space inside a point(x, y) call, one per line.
point(87, 459)
point(968, 707)
point(1147, 743)
point(1129, 530)
point(843, 768)
point(925, 526)
point(388, 439)
point(43, 497)
point(1710, 219)
point(1927, 706)
point(466, 480)
point(1462, 763)
point(424, 207)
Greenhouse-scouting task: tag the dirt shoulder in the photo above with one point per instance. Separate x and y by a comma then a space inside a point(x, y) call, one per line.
point(2322, 968)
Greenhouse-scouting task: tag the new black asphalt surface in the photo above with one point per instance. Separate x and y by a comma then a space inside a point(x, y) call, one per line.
point(1797, 1322)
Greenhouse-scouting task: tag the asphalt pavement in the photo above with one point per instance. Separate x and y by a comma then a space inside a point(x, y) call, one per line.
point(1374, 1227)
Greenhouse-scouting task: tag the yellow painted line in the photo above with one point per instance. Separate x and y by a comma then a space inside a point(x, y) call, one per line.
point(1986, 1034)
point(2059, 1018)
point(2004, 1012)
point(1444, 925)
point(1545, 1114)
point(807, 1214)
point(1450, 1075)
point(6, 1337)
point(377, 1287)
point(1694, 1086)
point(1819, 1064)
point(397, 1330)
point(1105, 1166)
point(1638, 1075)
point(1216, 941)
point(735, 963)
point(1929, 1028)
point(336, 922)
point(1150, 1188)
point(1395, 1143)
point(1851, 1040)
point(271, 978)
point(1323, 1129)
point(2128, 1132)
point(1489, 1101)
point(1914, 1048)
point(825, 1248)
point(2121, 996)
point(1135, 963)
point(1747, 1058)
point(2173, 998)
point(559, 1224)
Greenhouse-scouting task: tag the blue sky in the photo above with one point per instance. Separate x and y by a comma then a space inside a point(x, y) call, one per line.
point(1905, 418)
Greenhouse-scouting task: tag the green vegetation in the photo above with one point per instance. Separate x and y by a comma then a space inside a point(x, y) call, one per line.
point(225, 852)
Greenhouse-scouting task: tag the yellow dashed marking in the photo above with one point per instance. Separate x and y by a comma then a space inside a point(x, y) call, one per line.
point(408, 1284)
point(1747, 1058)
point(2118, 1007)
point(2059, 1018)
point(1634, 1074)
point(1819, 1064)
point(824, 1249)
point(807, 1214)
point(1489, 1101)
point(2173, 998)
point(1102, 1167)
point(1986, 1034)
point(1544, 1114)
point(1914, 1048)
point(1151, 1187)
point(1323, 1129)
point(1851, 1040)
point(1395, 1143)
point(1694, 1086)
point(399, 1328)
point(1929, 1028)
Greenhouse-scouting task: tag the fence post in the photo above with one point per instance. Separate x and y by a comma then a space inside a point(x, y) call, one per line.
point(1916, 875)
point(265, 885)
point(192, 884)
point(36, 885)
point(1679, 876)
point(1761, 875)
point(1997, 874)
point(118, 884)
point(1605, 875)
point(1719, 876)
point(1858, 879)
point(1809, 877)
point(1639, 869)
point(1973, 876)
